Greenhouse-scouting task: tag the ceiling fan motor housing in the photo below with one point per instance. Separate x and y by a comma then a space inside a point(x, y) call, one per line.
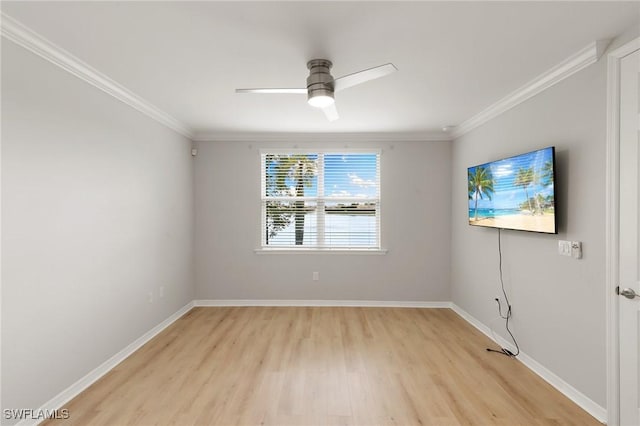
point(320, 82)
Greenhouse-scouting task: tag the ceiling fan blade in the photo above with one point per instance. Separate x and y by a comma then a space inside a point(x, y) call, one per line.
point(364, 76)
point(331, 112)
point(281, 91)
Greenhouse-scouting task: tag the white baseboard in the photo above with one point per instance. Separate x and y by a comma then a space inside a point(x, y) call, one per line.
point(328, 303)
point(72, 391)
point(565, 388)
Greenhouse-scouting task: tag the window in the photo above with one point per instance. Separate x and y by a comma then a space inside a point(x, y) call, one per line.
point(321, 200)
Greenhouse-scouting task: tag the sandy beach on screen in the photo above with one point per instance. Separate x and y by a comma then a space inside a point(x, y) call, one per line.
point(525, 222)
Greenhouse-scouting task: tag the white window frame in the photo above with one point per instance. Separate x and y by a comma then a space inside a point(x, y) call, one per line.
point(320, 200)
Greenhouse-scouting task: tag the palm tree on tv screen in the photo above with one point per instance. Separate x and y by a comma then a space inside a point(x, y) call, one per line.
point(547, 173)
point(480, 185)
point(472, 190)
point(524, 178)
point(547, 179)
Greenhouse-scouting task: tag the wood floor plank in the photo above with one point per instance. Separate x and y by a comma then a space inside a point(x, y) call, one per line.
point(321, 366)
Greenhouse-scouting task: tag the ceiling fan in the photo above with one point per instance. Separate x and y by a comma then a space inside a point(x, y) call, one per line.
point(321, 85)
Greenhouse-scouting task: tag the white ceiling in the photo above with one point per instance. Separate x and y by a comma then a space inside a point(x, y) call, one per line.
point(454, 58)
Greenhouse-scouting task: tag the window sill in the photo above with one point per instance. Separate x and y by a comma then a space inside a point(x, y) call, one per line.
point(319, 251)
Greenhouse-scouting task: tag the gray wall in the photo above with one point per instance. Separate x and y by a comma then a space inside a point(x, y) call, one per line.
point(97, 211)
point(558, 302)
point(415, 229)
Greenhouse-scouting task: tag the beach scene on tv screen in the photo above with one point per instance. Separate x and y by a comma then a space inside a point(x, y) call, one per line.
point(514, 193)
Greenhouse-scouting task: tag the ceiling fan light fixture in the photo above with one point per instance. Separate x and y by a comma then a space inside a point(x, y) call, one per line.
point(321, 100)
point(321, 85)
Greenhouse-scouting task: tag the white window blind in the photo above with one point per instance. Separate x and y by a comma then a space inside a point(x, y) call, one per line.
point(320, 200)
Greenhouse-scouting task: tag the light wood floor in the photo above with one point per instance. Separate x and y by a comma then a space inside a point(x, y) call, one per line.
point(321, 366)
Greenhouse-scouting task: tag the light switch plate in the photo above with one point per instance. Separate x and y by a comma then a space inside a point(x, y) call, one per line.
point(564, 248)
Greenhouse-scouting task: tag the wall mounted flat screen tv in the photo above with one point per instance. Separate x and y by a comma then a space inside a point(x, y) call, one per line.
point(515, 193)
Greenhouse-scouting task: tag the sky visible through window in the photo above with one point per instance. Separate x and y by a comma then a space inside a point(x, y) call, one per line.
point(346, 175)
point(350, 175)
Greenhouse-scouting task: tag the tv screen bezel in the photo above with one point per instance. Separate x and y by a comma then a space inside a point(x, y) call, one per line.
point(555, 205)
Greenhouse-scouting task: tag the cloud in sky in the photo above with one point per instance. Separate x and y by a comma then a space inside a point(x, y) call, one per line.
point(357, 180)
point(502, 170)
point(341, 193)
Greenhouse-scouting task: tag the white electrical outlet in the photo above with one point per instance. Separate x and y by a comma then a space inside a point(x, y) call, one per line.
point(316, 276)
point(161, 291)
point(150, 298)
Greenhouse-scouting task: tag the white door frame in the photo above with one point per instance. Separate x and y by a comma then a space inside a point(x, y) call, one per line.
point(612, 233)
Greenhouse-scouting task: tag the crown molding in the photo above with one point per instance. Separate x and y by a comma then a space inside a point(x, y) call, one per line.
point(18, 33)
point(576, 62)
point(321, 137)
point(23, 36)
point(625, 49)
